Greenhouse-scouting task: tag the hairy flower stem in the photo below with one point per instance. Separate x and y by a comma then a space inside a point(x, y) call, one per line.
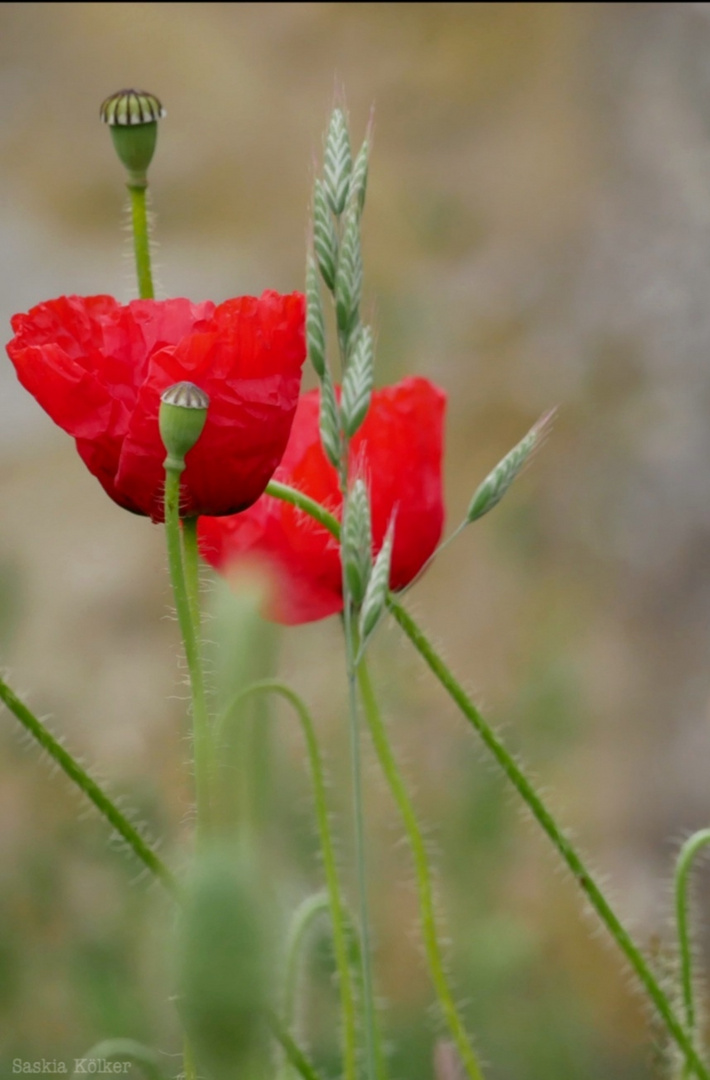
point(295, 1056)
point(425, 887)
point(141, 240)
point(303, 919)
point(527, 792)
point(184, 582)
point(188, 1061)
point(690, 849)
point(78, 775)
point(567, 851)
point(335, 901)
point(305, 503)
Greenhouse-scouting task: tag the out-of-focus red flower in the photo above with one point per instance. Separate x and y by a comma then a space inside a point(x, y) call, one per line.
point(99, 367)
point(398, 450)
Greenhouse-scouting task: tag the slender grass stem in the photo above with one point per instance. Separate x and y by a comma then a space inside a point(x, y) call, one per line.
point(351, 650)
point(337, 908)
point(303, 919)
point(561, 842)
point(180, 575)
point(79, 776)
point(425, 888)
point(692, 846)
point(141, 241)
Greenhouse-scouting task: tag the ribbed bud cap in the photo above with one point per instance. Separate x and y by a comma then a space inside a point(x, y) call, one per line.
point(129, 108)
point(132, 116)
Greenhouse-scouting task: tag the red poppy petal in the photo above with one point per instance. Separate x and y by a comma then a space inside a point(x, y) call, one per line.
point(400, 446)
point(399, 452)
point(249, 418)
point(98, 369)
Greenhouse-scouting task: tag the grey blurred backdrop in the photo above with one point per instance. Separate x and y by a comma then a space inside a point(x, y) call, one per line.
point(537, 233)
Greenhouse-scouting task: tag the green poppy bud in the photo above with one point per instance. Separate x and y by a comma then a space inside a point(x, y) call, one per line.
point(223, 965)
point(182, 417)
point(133, 118)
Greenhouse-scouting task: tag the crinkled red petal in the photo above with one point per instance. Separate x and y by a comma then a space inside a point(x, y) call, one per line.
point(98, 368)
point(399, 452)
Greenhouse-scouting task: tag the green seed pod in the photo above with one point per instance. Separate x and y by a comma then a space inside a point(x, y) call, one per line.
point(491, 491)
point(348, 278)
point(315, 322)
point(337, 162)
point(133, 118)
point(325, 238)
point(377, 587)
point(329, 421)
point(357, 542)
point(182, 418)
point(358, 382)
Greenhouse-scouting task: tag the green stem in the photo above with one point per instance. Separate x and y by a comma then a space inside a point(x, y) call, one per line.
point(192, 574)
point(425, 887)
point(141, 240)
point(122, 1050)
point(305, 503)
point(89, 787)
point(337, 910)
point(304, 917)
point(351, 650)
point(689, 850)
point(188, 1061)
point(563, 845)
point(527, 792)
point(184, 581)
point(295, 1056)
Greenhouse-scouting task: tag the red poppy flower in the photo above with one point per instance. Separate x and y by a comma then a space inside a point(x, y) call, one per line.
point(99, 367)
point(398, 450)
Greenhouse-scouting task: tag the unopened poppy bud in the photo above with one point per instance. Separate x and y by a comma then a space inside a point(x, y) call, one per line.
point(223, 963)
point(133, 118)
point(182, 417)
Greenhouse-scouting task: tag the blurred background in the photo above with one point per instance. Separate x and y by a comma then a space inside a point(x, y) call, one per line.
point(537, 233)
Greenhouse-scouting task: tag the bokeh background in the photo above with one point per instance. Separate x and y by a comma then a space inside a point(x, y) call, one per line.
point(537, 233)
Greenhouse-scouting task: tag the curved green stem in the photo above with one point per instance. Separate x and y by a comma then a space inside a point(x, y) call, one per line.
point(122, 1050)
point(180, 576)
point(527, 792)
point(304, 917)
point(141, 240)
point(425, 887)
point(305, 503)
point(337, 910)
point(689, 850)
point(78, 775)
point(561, 842)
point(295, 1056)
